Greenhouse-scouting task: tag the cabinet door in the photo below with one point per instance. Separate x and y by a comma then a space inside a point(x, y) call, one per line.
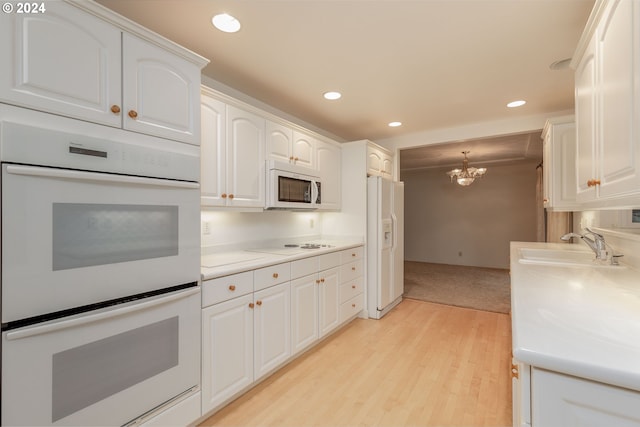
point(161, 92)
point(303, 150)
point(272, 328)
point(212, 152)
point(387, 166)
point(329, 294)
point(585, 104)
point(227, 350)
point(245, 158)
point(304, 312)
point(279, 142)
point(374, 162)
point(618, 59)
point(329, 167)
point(63, 61)
point(560, 400)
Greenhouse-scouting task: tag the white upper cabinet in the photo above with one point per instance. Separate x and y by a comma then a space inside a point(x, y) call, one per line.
point(279, 142)
point(73, 63)
point(303, 150)
point(290, 146)
point(161, 92)
point(63, 61)
point(379, 161)
point(231, 155)
point(245, 158)
point(329, 161)
point(608, 108)
point(213, 167)
point(559, 164)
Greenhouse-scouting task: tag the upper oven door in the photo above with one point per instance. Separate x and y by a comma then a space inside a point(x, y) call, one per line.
point(72, 238)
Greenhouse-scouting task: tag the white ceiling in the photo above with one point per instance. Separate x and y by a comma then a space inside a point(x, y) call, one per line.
point(430, 64)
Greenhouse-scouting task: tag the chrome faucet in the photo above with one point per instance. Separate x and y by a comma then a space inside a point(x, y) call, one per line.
point(597, 243)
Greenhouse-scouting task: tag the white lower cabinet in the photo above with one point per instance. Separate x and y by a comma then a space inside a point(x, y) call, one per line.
point(227, 350)
point(314, 307)
point(245, 334)
point(253, 322)
point(543, 398)
point(271, 329)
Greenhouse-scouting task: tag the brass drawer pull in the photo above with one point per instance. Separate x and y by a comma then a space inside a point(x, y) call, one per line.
point(115, 109)
point(232, 288)
point(133, 114)
point(275, 275)
point(258, 302)
point(250, 305)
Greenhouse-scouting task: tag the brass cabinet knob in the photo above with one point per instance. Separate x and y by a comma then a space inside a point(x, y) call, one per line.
point(317, 281)
point(353, 286)
point(223, 195)
point(295, 159)
point(250, 305)
point(593, 182)
point(353, 268)
point(290, 158)
point(258, 302)
point(275, 275)
point(514, 371)
point(115, 109)
point(231, 196)
point(232, 288)
point(353, 305)
point(353, 254)
point(322, 280)
point(133, 114)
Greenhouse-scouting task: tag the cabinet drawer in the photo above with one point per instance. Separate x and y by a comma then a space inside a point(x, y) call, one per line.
point(351, 254)
point(272, 275)
point(227, 287)
point(304, 267)
point(350, 289)
point(351, 308)
point(329, 260)
point(350, 271)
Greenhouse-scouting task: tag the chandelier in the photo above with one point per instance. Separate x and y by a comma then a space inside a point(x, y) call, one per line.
point(466, 175)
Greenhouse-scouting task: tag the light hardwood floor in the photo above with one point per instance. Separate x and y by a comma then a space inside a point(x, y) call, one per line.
point(423, 364)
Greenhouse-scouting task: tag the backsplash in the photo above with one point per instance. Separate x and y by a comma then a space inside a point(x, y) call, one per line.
point(232, 228)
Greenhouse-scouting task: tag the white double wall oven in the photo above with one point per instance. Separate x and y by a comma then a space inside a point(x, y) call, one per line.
point(100, 272)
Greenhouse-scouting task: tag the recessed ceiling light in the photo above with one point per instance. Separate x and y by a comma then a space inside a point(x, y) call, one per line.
point(225, 22)
point(332, 95)
point(514, 104)
point(395, 124)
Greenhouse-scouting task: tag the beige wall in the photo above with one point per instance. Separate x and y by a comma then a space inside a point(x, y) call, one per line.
point(444, 219)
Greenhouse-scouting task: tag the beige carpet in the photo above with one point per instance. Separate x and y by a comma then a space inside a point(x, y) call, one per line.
point(486, 289)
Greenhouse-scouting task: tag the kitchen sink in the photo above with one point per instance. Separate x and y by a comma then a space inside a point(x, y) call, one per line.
point(567, 258)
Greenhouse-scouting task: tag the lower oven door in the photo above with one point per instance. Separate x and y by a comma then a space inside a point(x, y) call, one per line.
point(105, 367)
point(72, 238)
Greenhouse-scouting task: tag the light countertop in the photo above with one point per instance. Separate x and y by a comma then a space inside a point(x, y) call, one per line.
point(223, 261)
point(579, 320)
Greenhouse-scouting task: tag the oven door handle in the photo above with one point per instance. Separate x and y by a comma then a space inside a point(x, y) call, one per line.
point(101, 316)
point(97, 176)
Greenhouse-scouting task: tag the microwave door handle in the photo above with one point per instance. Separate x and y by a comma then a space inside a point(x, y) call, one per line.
point(97, 177)
point(314, 192)
point(103, 315)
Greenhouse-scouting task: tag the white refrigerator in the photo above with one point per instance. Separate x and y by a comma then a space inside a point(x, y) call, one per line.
point(385, 245)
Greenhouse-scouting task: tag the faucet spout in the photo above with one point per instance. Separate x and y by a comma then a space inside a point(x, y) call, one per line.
point(596, 244)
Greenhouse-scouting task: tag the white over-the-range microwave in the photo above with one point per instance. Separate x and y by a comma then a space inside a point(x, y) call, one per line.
point(291, 186)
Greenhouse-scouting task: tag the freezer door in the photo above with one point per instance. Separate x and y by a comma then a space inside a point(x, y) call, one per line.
point(397, 247)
